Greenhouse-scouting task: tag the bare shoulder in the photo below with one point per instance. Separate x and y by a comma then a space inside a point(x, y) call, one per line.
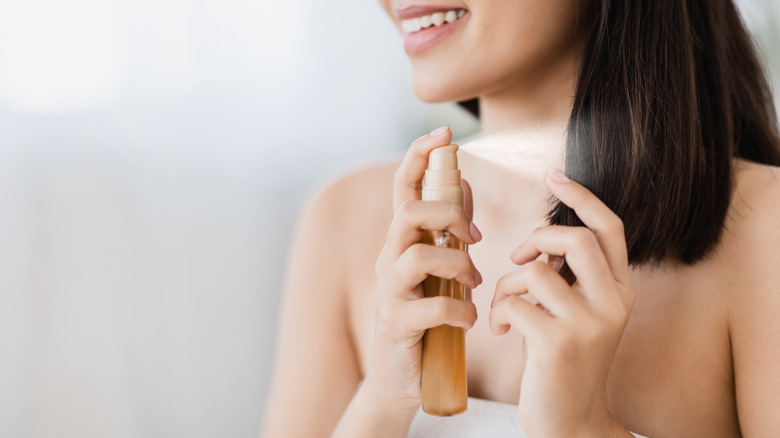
point(343, 202)
point(755, 296)
point(370, 184)
point(755, 207)
point(357, 207)
point(315, 314)
point(358, 195)
point(339, 206)
point(751, 237)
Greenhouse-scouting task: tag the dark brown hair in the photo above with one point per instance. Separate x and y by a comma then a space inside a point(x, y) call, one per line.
point(668, 93)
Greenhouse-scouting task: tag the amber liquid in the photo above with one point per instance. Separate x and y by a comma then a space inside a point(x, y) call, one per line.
point(444, 389)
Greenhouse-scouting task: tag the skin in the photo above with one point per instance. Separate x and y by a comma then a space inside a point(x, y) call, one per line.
point(519, 57)
point(667, 350)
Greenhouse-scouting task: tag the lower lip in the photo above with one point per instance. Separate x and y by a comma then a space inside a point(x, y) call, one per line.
point(418, 42)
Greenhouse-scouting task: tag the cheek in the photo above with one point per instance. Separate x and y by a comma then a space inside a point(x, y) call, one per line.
point(513, 41)
point(531, 41)
point(526, 43)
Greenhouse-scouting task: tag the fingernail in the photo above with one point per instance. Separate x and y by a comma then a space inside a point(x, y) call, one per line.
point(557, 176)
point(517, 248)
point(474, 231)
point(439, 131)
point(514, 251)
point(477, 277)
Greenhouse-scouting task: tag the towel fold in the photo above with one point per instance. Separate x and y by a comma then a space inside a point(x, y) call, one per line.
point(483, 418)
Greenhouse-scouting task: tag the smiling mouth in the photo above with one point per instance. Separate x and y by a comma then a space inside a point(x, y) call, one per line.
point(414, 25)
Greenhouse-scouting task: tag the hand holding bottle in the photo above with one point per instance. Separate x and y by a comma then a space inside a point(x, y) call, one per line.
point(402, 312)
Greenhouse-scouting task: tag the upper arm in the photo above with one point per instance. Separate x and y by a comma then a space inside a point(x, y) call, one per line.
point(315, 369)
point(754, 323)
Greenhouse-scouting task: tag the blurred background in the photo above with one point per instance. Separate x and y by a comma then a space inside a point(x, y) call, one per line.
point(153, 158)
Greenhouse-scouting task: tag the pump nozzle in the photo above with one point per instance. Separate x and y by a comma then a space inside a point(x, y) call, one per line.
point(442, 177)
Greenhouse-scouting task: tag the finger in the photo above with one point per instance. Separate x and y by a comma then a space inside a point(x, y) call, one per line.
point(517, 313)
point(598, 217)
point(425, 313)
point(468, 206)
point(581, 250)
point(407, 182)
point(415, 216)
point(538, 278)
point(468, 200)
point(421, 260)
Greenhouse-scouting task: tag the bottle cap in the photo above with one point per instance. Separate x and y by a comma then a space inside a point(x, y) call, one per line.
point(442, 177)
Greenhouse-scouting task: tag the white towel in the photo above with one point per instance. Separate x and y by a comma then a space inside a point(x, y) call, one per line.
point(482, 419)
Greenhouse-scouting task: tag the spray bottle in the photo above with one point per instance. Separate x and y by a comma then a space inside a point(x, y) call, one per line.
point(444, 386)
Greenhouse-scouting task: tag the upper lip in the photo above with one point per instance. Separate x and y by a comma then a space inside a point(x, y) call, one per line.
point(414, 11)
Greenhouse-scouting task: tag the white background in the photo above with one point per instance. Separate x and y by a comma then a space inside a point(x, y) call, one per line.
point(153, 158)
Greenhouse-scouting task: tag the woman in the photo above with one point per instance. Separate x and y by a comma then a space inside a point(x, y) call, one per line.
point(660, 321)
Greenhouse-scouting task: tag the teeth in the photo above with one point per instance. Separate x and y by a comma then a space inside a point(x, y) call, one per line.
point(450, 16)
point(416, 24)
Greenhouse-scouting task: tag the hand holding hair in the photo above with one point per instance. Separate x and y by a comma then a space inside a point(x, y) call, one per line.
point(572, 334)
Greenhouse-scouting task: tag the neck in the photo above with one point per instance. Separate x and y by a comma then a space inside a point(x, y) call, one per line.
point(530, 104)
point(523, 135)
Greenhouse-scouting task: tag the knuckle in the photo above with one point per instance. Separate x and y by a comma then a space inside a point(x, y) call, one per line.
point(618, 312)
point(472, 311)
point(501, 285)
point(441, 307)
point(405, 208)
point(616, 224)
point(584, 236)
point(471, 319)
point(399, 176)
point(492, 314)
point(464, 312)
point(617, 318)
point(536, 268)
point(629, 300)
point(454, 212)
point(386, 286)
point(464, 261)
point(582, 197)
point(385, 313)
point(415, 254)
point(459, 266)
point(606, 277)
point(499, 301)
point(463, 216)
point(417, 147)
point(534, 234)
point(418, 142)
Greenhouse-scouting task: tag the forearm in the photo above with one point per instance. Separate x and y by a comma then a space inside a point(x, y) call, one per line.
point(369, 415)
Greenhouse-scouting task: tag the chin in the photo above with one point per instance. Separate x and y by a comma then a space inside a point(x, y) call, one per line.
point(434, 89)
